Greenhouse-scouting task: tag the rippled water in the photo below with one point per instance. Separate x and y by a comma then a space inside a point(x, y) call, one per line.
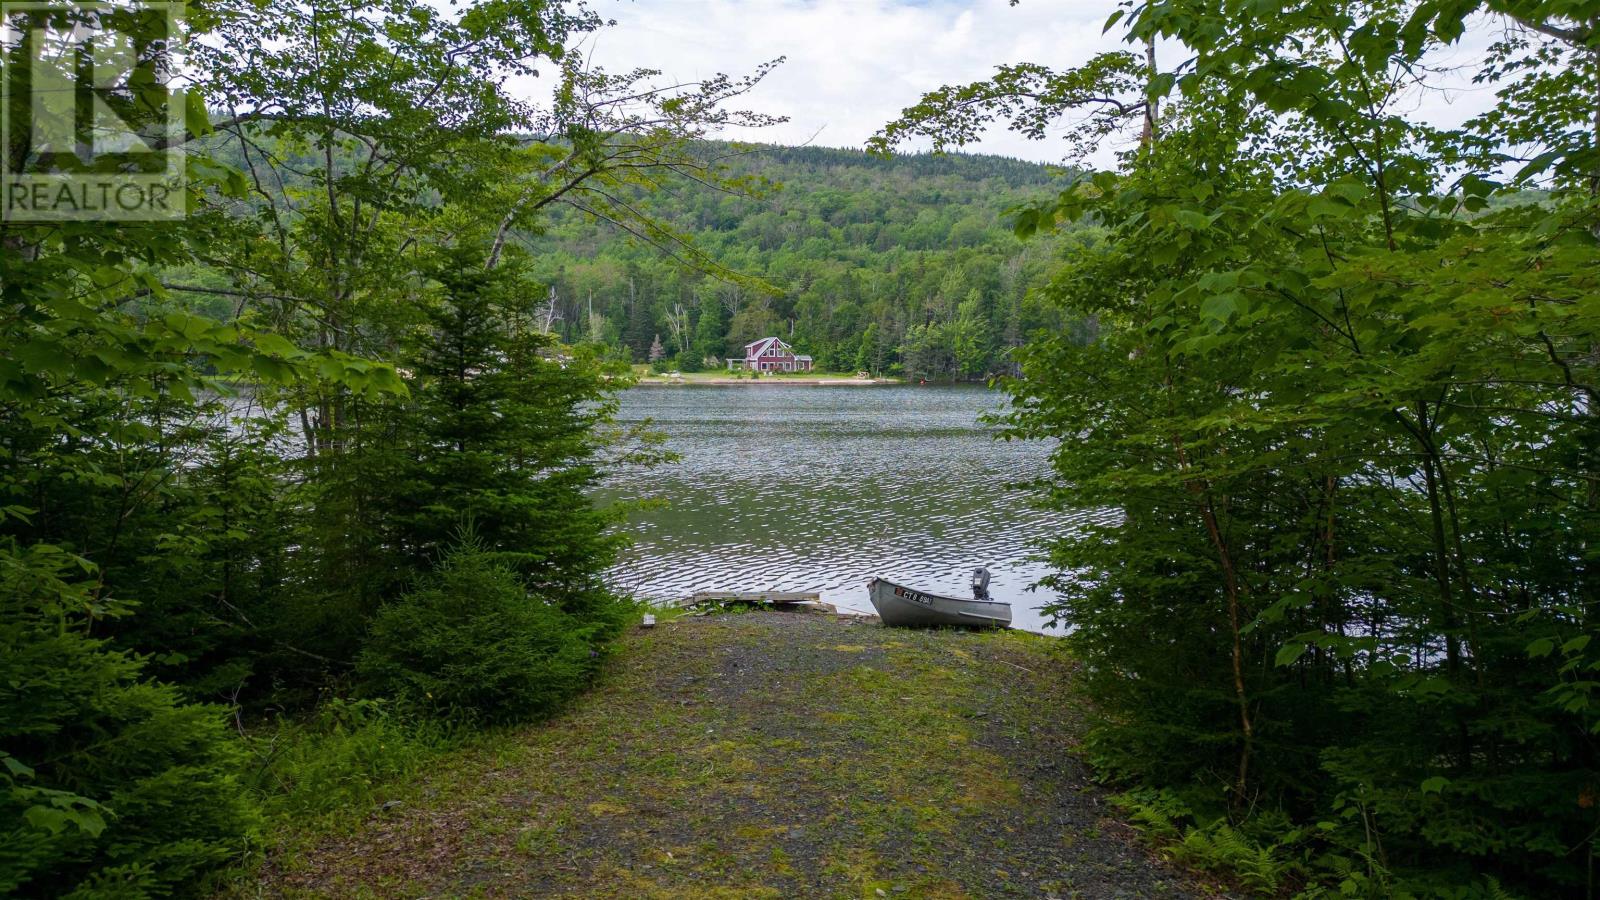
point(819, 489)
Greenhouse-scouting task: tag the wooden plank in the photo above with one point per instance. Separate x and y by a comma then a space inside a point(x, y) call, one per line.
point(777, 597)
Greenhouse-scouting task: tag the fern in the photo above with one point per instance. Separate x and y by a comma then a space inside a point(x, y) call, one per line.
point(1216, 847)
point(1159, 814)
point(1223, 848)
point(1494, 891)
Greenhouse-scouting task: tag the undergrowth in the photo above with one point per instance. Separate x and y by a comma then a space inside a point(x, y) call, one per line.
point(327, 771)
point(340, 757)
point(1267, 855)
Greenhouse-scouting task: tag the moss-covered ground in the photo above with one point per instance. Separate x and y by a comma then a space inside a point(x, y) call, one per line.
point(763, 754)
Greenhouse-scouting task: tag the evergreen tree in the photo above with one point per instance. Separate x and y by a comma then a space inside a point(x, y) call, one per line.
point(472, 643)
point(500, 436)
point(641, 327)
point(110, 786)
point(866, 359)
point(710, 330)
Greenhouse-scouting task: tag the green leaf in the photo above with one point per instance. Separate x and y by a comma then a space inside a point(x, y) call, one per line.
point(273, 370)
point(15, 766)
point(196, 118)
point(1289, 653)
point(1541, 647)
point(1435, 785)
point(1538, 165)
point(1351, 192)
point(1327, 207)
point(46, 819)
point(66, 809)
point(1221, 307)
point(275, 344)
point(235, 185)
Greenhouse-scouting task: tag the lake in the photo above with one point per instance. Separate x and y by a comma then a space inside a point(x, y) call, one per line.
point(802, 488)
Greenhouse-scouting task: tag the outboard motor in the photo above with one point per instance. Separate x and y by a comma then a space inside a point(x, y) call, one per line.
point(980, 583)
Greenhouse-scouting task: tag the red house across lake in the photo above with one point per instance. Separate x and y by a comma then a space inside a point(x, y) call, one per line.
point(770, 355)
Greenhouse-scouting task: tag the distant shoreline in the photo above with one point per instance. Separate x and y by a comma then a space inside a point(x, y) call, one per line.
point(716, 381)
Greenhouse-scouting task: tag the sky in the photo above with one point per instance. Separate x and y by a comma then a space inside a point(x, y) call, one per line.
point(854, 64)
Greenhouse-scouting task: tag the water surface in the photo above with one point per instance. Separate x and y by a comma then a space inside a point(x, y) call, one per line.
point(820, 488)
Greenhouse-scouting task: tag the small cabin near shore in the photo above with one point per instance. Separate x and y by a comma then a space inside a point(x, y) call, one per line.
point(770, 355)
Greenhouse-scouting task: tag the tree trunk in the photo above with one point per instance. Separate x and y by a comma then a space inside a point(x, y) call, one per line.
point(1151, 107)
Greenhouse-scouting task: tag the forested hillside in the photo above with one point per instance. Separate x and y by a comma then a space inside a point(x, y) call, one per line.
point(887, 264)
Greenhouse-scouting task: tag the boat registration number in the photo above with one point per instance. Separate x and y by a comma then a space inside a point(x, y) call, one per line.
point(913, 596)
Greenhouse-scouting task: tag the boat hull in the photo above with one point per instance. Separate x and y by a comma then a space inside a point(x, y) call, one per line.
point(900, 605)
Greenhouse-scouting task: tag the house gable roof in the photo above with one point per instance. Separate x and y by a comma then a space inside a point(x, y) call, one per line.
point(762, 346)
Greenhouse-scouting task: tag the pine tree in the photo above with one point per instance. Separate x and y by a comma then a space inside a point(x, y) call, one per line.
point(657, 352)
point(640, 323)
point(110, 785)
point(710, 331)
point(499, 437)
point(867, 352)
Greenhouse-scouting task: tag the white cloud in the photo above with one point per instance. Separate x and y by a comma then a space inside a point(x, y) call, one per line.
point(854, 64)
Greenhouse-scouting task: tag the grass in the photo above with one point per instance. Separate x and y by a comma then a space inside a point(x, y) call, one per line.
point(757, 755)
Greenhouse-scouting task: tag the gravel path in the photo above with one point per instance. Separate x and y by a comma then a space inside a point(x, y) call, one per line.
point(767, 754)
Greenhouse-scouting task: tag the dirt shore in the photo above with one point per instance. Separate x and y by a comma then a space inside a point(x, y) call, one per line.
point(765, 754)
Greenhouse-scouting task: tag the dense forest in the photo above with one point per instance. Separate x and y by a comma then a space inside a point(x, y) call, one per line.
point(889, 265)
point(1343, 391)
point(295, 486)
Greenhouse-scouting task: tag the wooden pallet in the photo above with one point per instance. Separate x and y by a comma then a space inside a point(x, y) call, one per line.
point(773, 598)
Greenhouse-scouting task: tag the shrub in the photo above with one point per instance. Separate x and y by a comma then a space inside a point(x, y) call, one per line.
point(109, 785)
point(470, 643)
